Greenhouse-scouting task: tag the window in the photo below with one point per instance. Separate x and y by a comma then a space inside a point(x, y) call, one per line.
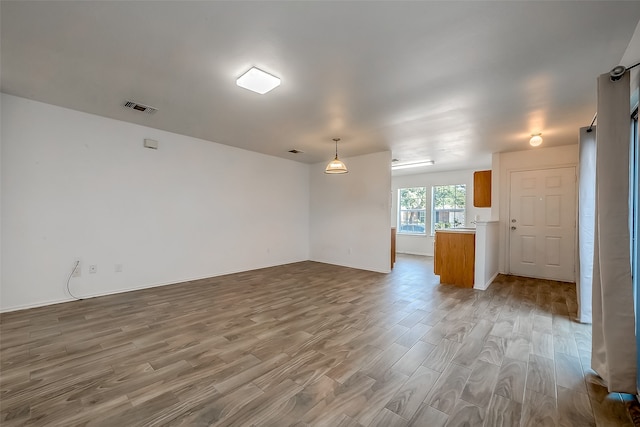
point(412, 204)
point(635, 225)
point(448, 206)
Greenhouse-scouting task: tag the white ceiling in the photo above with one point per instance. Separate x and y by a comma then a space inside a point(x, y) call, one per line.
point(448, 81)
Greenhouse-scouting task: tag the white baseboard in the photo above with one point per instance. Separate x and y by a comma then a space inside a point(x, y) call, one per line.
point(35, 305)
point(93, 295)
point(135, 288)
point(354, 266)
point(414, 253)
point(487, 284)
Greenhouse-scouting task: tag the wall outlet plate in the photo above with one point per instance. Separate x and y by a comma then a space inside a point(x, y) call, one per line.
point(93, 269)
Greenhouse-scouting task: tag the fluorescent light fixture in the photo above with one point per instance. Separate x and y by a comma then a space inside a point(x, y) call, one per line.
point(258, 81)
point(413, 165)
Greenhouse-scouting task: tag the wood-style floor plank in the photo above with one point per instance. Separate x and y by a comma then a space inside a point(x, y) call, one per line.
point(444, 395)
point(503, 412)
point(574, 409)
point(493, 350)
point(409, 398)
point(428, 416)
point(441, 356)
point(466, 415)
point(480, 385)
point(539, 410)
point(387, 418)
point(308, 344)
point(569, 373)
point(511, 380)
point(541, 375)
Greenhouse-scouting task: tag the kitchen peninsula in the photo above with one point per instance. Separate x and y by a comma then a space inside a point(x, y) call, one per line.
point(467, 257)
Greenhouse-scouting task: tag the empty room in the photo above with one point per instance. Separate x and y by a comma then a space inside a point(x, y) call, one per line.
point(319, 213)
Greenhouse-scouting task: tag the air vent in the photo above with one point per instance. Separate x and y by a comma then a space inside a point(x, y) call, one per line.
point(140, 107)
point(294, 151)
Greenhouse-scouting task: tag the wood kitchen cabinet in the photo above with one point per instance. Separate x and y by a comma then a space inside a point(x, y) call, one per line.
point(454, 257)
point(482, 189)
point(393, 246)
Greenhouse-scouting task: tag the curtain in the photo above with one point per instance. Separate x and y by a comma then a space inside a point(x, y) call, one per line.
point(613, 354)
point(586, 221)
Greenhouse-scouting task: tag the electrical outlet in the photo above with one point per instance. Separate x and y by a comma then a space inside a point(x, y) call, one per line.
point(118, 268)
point(77, 270)
point(93, 269)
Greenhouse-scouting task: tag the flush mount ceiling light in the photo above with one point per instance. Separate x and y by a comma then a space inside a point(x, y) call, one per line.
point(258, 81)
point(336, 165)
point(413, 165)
point(536, 139)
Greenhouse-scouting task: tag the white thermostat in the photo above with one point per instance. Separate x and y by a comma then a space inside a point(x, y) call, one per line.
point(150, 143)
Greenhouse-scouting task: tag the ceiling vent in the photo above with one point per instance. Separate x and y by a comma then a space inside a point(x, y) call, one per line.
point(140, 107)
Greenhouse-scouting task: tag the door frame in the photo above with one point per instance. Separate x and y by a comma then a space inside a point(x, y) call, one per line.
point(506, 224)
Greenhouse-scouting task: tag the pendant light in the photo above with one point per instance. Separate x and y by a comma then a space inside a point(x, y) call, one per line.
point(336, 165)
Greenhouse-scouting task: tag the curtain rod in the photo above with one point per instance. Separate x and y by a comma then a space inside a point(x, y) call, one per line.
point(615, 74)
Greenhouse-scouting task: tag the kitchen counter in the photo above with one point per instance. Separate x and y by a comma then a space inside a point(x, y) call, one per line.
point(467, 257)
point(457, 230)
point(454, 256)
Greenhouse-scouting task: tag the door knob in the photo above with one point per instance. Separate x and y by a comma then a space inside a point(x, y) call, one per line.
point(513, 228)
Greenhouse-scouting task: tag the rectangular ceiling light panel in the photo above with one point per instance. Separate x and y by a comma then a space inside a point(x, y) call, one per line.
point(413, 165)
point(258, 81)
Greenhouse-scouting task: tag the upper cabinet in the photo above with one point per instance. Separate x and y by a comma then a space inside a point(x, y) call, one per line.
point(482, 189)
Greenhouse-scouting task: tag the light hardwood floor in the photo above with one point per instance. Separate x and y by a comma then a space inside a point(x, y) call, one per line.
point(308, 344)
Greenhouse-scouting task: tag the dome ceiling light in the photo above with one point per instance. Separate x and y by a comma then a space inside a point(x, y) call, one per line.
point(536, 139)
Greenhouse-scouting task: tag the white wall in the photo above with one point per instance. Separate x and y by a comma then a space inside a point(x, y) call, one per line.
point(1, 198)
point(486, 262)
point(1, 192)
point(350, 213)
point(423, 244)
point(540, 158)
point(79, 185)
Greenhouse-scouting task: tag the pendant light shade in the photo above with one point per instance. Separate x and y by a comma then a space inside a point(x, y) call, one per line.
point(336, 165)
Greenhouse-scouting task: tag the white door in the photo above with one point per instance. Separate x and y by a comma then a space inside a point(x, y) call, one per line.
point(542, 224)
